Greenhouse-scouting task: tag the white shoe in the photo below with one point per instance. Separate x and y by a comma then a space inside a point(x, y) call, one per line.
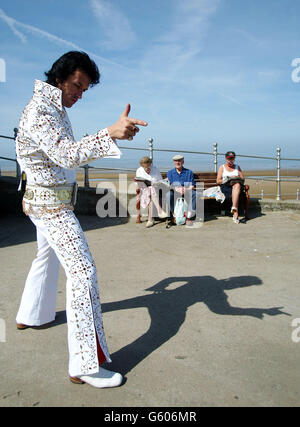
point(101, 379)
point(150, 223)
point(235, 220)
point(163, 215)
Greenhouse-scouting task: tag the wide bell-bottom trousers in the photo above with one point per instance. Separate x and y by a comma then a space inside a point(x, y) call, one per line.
point(60, 240)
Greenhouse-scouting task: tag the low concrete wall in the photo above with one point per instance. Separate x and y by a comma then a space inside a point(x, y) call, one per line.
point(87, 200)
point(266, 205)
point(10, 197)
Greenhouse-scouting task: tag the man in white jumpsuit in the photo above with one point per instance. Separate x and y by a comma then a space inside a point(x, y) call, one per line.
point(49, 155)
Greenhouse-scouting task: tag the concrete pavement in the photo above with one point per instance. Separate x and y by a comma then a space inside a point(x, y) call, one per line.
point(193, 317)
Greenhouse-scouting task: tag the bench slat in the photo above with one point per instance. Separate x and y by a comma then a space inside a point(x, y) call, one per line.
point(208, 178)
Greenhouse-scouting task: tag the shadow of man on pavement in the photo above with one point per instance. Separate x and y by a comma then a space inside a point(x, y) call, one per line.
point(167, 310)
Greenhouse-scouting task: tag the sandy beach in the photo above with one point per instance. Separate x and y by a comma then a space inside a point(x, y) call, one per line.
point(262, 183)
point(258, 181)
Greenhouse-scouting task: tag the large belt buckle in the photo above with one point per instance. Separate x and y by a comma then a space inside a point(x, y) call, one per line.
point(29, 194)
point(74, 194)
point(64, 195)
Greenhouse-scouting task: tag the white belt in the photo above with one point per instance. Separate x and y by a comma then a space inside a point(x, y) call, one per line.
point(37, 195)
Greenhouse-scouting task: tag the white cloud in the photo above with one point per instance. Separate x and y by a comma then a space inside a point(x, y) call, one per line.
point(115, 25)
point(180, 45)
point(191, 21)
point(270, 74)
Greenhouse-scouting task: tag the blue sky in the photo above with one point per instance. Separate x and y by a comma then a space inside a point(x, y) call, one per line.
point(199, 71)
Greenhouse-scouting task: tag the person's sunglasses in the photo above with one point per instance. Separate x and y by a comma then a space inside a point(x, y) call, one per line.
point(230, 157)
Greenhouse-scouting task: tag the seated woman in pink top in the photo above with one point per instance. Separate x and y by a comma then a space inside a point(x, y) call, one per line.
point(227, 173)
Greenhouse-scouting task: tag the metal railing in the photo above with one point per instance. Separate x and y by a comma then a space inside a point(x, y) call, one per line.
point(262, 194)
point(214, 154)
point(18, 171)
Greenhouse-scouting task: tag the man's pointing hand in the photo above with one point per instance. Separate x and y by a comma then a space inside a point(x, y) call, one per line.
point(125, 127)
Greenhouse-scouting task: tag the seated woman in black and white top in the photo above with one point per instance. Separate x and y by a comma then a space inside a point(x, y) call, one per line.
point(228, 172)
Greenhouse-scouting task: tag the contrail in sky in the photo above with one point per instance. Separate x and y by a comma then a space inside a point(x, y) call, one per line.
point(13, 23)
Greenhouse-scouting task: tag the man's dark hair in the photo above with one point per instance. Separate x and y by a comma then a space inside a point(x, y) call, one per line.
point(68, 64)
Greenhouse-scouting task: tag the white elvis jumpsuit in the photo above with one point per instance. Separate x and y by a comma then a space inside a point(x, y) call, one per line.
point(49, 155)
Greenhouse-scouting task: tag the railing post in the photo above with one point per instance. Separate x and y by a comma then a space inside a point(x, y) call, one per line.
point(151, 148)
point(278, 195)
point(18, 170)
point(215, 157)
point(86, 171)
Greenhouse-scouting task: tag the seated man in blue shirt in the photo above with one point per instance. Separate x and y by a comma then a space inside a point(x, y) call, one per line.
point(182, 179)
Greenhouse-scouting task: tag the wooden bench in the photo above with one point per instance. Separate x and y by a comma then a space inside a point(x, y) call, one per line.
point(209, 180)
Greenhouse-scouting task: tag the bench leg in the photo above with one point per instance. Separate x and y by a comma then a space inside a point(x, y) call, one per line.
point(247, 205)
point(138, 207)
